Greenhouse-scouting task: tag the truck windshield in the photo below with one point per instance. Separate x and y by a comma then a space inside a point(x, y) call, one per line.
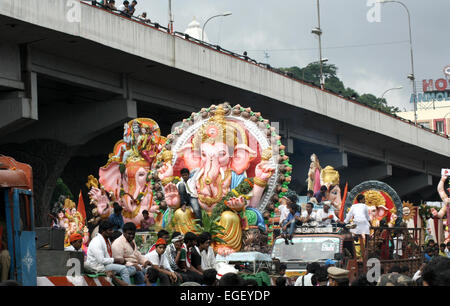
point(306, 249)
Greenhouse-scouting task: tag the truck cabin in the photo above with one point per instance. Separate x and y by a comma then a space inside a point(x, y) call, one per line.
point(17, 220)
point(313, 245)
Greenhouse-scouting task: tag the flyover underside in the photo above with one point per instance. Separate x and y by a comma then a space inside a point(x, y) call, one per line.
point(80, 99)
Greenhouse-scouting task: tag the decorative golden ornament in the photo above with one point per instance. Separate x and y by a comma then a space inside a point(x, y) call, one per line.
point(68, 203)
point(329, 176)
point(266, 154)
point(218, 129)
point(408, 211)
point(374, 198)
point(259, 182)
point(92, 182)
point(167, 156)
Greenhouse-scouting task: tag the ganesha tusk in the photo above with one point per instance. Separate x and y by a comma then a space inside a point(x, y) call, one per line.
point(222, 173)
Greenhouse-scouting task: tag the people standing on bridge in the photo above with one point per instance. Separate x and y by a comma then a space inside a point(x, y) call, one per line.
point(132, 8)
point(100, 257)
point(111, 5)
point(359, 212)
point(124, 8)
point(143, 17)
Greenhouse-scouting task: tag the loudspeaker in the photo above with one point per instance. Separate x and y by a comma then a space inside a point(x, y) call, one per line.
point(50, 238)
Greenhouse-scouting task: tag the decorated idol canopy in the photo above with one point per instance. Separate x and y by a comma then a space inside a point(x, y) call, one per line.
point(384, 203)
point(125, 178)
point(237, 172)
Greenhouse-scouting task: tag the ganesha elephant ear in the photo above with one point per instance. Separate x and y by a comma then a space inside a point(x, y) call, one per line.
point(109, 176)
point(191, 157)
point(242, 157)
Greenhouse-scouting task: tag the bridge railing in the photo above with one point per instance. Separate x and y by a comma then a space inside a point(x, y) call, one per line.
point(246, 58)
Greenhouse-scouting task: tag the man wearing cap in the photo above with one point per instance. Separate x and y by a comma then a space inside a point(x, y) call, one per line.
point(337, 277)
point(76, 240)
point(159, 262)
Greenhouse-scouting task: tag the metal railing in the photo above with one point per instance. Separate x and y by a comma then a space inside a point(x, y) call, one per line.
point(244, 57)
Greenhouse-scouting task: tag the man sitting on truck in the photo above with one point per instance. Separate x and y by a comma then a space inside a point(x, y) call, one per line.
point(309, 215)
point(291, 222)
point(325, 217)
point(76, 241)
point(100, 257)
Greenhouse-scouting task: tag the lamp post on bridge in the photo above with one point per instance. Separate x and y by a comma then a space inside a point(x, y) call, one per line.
point(221, 15)
point(318, 31)
point(412, 76)
point(398, 87)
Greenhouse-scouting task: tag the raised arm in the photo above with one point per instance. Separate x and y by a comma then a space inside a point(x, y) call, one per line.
point(444, 197)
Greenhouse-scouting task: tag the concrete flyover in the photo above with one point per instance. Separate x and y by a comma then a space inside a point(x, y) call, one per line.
point(71, 74)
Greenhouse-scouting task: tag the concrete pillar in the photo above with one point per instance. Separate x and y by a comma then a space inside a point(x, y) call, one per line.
point(405, 186)
point(77, 123)
point(337, 160)
point(356, 176)
point(16, 111)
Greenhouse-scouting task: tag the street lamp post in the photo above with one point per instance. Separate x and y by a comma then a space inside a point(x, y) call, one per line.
point(170, 17)
point(412, 76)
point(398, 87)
point(318, 32)
point(221, 15)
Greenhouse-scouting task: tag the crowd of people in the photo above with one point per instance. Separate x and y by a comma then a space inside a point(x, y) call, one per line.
point(189, 259)
point(291, 215)
point(436, 272)
point(127, 8)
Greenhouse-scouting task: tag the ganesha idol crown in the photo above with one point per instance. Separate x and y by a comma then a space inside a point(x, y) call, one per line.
point(218, 129)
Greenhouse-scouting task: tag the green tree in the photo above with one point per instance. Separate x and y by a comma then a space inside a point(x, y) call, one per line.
point(61, 189)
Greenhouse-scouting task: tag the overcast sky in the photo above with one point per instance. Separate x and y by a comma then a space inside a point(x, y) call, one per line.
point(371, 57)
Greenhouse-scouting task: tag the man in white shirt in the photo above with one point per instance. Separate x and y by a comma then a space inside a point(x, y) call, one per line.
point(324, 216)
point(160, 263)
point(124, 8)
point(188, 191)
point(290, 197)
point(99, 254)
point(208, 256)
point(360, 215)
point(309, 215)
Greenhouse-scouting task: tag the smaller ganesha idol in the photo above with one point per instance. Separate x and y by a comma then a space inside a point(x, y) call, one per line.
point(126, 175)
point(232, 155)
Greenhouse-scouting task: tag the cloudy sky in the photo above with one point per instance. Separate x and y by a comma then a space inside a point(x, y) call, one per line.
point(371, 57)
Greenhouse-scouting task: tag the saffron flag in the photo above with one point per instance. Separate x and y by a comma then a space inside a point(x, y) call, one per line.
point(80, 207)
point(341, 211)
